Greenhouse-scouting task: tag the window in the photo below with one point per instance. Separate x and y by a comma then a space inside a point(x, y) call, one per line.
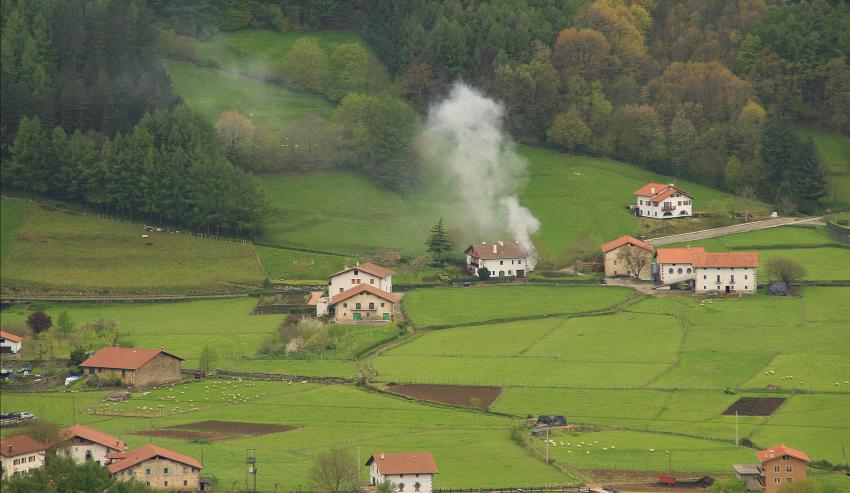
point(165, 470)
point(510, 272)
point(371, 306)
point(705, 287)
point(358, 281)
point(32, 458)
point(356, 273)
point(345, 305)
point(777, 480)
point(165, 483)
point(341, 290)
point(787, 468)
point(519, 262)
point(382, 305)
point(704, 276)
point(670, 271)
point(745, 276)
point(501, 262)
point(689, 270)
point(416, 485)
point(148, 471)
point(357, 306)
point(185, 483)
point(372, 280)
point(401, 487)
point(788, 480)
point(718, 278)
point(680, 270)
point(775, 468)
point(354, 281)
point(746, 287)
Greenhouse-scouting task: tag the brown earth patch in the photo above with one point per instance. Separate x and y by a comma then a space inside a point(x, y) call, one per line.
point(215, 430)
point(454, 395)
point(754, 406)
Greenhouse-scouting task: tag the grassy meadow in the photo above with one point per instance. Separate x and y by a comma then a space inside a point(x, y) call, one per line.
point(283, 263)
point(54, 251)
point(835, 151)
point(13, 215)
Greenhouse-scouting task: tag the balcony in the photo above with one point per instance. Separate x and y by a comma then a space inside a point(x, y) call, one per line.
point(668, 208)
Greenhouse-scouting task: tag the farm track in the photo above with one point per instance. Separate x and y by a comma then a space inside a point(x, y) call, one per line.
point(730, 230)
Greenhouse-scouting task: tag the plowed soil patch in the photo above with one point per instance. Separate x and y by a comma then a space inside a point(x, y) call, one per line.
point(454, 395)
point(215, 430)
point(189, 435)
point(755, 406)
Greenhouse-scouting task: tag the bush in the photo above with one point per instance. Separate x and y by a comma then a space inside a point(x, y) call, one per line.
point(484, 273)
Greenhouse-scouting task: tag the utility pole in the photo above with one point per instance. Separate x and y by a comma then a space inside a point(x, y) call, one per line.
point(547, 445)
point(251, 460)
point(357, 466)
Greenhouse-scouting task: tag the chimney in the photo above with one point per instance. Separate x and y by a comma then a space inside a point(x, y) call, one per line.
point(483, 242)
point(652, 190)
point(495, 248)
point(10, 449)
point(501, 243)
point(382, 455)
point(671, 185)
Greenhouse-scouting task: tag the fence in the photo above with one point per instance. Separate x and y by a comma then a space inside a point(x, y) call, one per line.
point(281, 377)
point(572, 488)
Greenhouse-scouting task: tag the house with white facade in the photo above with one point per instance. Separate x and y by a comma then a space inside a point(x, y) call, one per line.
point(660, 201)
point(9, 343)
point(501, 259)
point(84, 444)
point(358, 293)
point(409, 472)
point(726, 272)
point(20, 454)
point(676, 264)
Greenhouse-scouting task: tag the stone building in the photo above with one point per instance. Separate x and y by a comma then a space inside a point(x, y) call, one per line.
point(134, 367)
point(159, 468)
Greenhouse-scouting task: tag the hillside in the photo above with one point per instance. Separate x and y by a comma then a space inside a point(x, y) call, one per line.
point(57, 251)
point(835, 151)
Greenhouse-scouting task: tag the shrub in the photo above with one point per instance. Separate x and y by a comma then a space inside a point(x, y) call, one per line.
point(484, 273)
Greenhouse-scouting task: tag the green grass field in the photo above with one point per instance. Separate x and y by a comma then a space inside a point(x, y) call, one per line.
point(281, 263)
point(59, 252)
point(454, 306)
point(823, 257)
point(835, 151)
point(13, 215)
point(211, 92)
point(471, 449)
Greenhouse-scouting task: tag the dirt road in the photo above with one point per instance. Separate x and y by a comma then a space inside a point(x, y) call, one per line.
point(729, 230)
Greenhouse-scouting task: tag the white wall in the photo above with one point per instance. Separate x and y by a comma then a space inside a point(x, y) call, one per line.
point(739, 279)
point(682, 203)
point(29, 461)
point(352, 278)
point(500, 268)
point(13, 346)
point(668, 278)
point(78, 452)
point(408, 480)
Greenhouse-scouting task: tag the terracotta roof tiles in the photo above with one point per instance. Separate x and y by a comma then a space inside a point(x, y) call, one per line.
point(151, 451)
point(10, 336)
point(780, 450)
point(677, 255)
point(369, 268)
point(122, 358)
point(405, 463)
point(93, 435)
point(611, 245)
point(20, 445)
point(360, 288)
point(504, 250)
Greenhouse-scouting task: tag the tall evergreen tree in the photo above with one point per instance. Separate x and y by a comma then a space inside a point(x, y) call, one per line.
point(438, 242)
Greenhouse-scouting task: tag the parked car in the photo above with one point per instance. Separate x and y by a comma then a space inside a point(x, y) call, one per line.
point(25, 415)
point(8, 415)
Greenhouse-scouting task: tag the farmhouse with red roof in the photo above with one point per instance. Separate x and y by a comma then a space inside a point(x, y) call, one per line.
point(358, 294)
point(159, 468)
point(84, 444)
point(708, 272)
point(660, 201)
point(410, 472)
point(9, 343)
point(778, 465)
point(628, 256)
point(134, 367)
point(20, 454)
point(502, 259)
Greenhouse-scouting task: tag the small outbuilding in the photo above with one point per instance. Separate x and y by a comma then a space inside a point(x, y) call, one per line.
point(10, 343)
point(628, 256)
point(410, 472)
point(134, 367)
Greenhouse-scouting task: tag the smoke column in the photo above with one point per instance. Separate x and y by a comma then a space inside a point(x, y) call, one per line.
point(463, 134)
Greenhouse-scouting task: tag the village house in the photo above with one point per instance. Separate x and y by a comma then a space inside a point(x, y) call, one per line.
point(676, 265)
point(363, 303)
point(21, 454)
point(134, 367)
point(411, 472)
point(159, 468)
point(84, 444)
point(9, 343)
point(500, 258)
point(728, 273)
point(366, 273)
point(628, 256)
point(778, 465)
point(660, 201)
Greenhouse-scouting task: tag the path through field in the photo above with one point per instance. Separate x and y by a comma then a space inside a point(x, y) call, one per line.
point(729, 230)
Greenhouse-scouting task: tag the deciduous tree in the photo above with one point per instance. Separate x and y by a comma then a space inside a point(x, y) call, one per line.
point(334, 471)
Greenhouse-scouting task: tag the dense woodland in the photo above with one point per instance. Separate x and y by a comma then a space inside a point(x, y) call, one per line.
point(710, 90)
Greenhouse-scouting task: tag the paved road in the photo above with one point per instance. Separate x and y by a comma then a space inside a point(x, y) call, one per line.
point(729, 230)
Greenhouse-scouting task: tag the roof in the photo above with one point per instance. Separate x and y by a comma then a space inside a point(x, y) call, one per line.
point(405, 463)
point(10, 336)
point(746, 469)
point(659, 191)
point(20, 445)
point(348, 293)
point(504, 250)
point(780, 450)
point(677, 255)
point(631, 240)
point(727, 259)
point(315, 296)
point(151, 451)
point(123, 358)
point(93, 435)
point(369, 268)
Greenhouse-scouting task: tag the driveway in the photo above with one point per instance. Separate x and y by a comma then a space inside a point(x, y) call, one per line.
point(730, 230)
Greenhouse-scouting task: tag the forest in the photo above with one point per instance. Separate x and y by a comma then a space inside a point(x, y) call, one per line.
point(708, 90)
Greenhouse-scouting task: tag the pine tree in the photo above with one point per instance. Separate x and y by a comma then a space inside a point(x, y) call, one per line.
point(808, 176)
point(438, 243)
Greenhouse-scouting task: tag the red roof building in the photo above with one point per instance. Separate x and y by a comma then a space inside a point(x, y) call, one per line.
point(159, 468)
point(20, 454)
point(662, 201)
point(410, 471)
point(134, 367)
point(626, 240)
point(10, 343)
point(781, 465)
point(628, 256)
point(363, 302)
point(87, 444)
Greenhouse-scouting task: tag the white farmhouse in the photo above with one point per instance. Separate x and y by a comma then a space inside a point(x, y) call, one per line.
point(500, 258)
point(9, 343)
point(409, 472)
point(354, 280)
point(729, 273)
point(20, 454)
point(84, 444)
point(660, 201)
point(676, 264)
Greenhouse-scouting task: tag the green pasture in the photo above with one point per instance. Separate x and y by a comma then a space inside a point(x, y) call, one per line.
point(282, 263)
point(13, 215)
point(712, 370)
point(56, 251)
point(823, 257)
point(471, 449)
point(807, 371)
point(454, 306)
point(212, 91)
point(835, 151)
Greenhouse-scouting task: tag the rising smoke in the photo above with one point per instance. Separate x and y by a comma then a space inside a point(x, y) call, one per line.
point(464, 136)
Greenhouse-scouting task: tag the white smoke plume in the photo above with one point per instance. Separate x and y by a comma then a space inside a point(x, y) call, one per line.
point(464, 136)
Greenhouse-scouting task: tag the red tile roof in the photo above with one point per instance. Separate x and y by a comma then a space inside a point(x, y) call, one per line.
point(405, 463)
point(727, 259)
point(348, 293)
point(93, 435)
point(780, 450)
point(151, 451)
point(611, 245)
point(369, 268)
point(659, 191)
point(504, 250)
point(678, 255)
point(123, 358)
point(10, 336)
point(20, 445)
